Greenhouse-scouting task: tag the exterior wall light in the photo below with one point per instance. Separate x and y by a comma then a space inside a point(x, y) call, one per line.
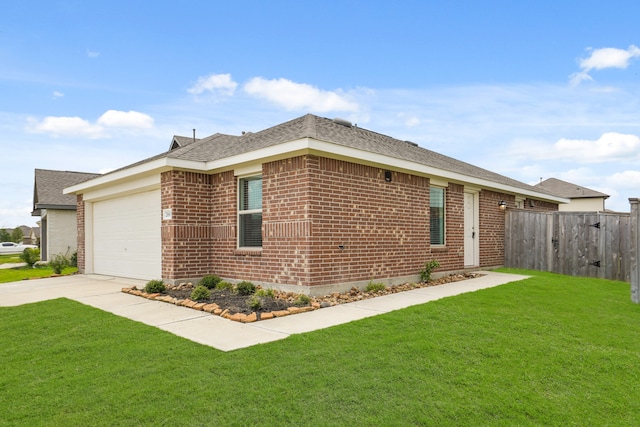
point(502, 205)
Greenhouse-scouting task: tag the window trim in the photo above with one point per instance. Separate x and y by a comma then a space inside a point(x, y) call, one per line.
point(444, 216)
point(240, 212)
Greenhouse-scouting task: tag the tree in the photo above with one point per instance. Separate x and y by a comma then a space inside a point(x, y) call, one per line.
point(4, 235)
point(17, 235)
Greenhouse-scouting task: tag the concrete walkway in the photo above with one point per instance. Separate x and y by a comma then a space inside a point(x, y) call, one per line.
point(104, 292)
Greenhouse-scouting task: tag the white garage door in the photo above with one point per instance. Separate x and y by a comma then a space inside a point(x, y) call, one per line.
point(126, 236)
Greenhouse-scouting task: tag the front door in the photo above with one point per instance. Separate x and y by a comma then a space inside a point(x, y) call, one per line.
point(471, 245)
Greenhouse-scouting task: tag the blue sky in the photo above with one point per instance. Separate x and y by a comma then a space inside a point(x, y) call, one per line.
point(530, 89)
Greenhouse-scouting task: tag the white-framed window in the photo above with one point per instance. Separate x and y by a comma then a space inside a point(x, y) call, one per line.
point(250, 212)
point(436, 215)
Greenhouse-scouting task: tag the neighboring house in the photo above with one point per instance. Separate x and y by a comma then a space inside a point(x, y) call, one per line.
point(57, 211)
point(582, 199)
point(310, 205)
point(31, 235)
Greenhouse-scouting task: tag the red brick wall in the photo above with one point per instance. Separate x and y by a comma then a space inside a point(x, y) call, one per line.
point(186, 237)
point(81, 234)
point(383, 225)
point(313, 206)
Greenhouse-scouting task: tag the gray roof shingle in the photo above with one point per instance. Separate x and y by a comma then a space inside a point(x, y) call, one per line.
point(220, 146)
point(48, 186)
point(568, 190)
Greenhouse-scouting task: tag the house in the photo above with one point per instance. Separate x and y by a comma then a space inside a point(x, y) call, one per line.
point(57, 211)
point(31, 235)
point(310, 205)
point(582, 199)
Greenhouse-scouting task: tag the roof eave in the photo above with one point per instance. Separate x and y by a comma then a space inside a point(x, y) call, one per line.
point(298, 147)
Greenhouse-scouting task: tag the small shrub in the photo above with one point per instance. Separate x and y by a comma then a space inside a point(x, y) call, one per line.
point(155, 287)
point(74, 259)
point(301, 300)
point(375, 287)
point(246, 288)
point(224, 285)
point(268, 293)
point(30, 256)
point(200, 293)
point(254, 302)
point(210, 282)
point(425, 273)
point(58, 263)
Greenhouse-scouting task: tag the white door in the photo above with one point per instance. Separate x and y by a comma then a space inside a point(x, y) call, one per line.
point(126, 236)
point(471, 245)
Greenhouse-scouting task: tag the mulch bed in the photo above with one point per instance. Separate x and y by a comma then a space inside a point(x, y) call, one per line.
point(230, 305)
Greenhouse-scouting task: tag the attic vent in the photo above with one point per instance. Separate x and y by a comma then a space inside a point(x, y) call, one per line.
point(412, 143)
point(342, 122)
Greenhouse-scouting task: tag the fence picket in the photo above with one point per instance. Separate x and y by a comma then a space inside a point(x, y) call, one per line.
point(570, 243)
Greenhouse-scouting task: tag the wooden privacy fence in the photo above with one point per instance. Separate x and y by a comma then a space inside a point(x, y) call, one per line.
point(589, 244)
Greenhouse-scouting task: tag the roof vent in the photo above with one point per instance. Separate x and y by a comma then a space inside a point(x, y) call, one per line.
point(412, 143)
point(342, 122)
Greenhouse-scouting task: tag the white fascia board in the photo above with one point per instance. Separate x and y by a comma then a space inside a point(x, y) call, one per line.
point(151, 168)
point(299, 147)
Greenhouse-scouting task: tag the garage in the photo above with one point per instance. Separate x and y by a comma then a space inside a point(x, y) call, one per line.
point(126, 236)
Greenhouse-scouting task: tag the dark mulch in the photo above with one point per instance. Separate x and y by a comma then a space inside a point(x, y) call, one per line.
point(235, 303)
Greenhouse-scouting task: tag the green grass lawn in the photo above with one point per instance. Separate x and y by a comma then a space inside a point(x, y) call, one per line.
point(548, 351)
point(10, 259)
point(21, 273)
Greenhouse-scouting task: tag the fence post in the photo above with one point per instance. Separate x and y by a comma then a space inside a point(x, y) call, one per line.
point(635, 248)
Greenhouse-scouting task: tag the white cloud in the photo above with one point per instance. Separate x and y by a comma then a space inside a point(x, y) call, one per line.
point(298, 96)
point(625, 180)
point(123, 119)
point(57, 94)
point(79, 127)
point(216, 83)
point(66, 126)
point(599, 59)
point(92, 53)
point(610, 146)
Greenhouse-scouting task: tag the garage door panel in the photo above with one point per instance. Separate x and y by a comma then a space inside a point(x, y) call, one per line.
point(126, 236)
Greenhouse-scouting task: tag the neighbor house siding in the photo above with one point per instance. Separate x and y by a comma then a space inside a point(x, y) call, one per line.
point(62, 233)
point(81, 232)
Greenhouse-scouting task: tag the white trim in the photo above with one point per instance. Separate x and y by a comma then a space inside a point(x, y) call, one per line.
point(298, 147)
point(435, 182)
point(248, 170)
point(145, 183)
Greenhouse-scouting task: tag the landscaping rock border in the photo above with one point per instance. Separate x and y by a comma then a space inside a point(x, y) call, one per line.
point(316, 303)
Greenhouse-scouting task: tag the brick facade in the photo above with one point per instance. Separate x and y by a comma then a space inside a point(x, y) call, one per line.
point(325, 222)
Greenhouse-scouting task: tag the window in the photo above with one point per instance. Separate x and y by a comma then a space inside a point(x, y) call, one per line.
point(436, 215)
point(250, 212)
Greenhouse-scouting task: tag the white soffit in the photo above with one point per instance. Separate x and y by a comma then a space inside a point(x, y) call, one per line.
point(298, 147)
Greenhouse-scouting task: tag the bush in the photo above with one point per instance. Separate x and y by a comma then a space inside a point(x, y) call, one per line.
point(254, 302)
point(246, 288)
point(30, 256)
point(200, 293)
point(268, 293)
point(210, 282)
point(224, 285)
point(155, 287)
point(58, 263)
point(375, 287)
point(74, 259)
point(302, 299)
point(425, 273)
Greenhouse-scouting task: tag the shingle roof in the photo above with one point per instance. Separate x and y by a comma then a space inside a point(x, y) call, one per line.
point(48, 186)
point(568, 190)
point(219, 146)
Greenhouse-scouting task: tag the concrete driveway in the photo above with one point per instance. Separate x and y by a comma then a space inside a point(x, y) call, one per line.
point(104, 293)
